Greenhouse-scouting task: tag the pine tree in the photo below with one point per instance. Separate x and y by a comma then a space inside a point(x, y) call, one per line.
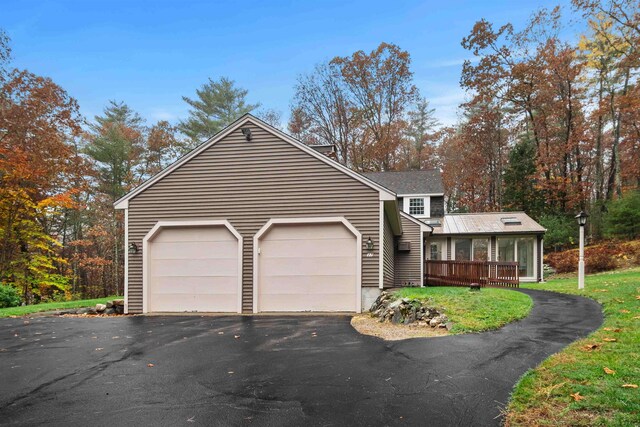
point(218, 104)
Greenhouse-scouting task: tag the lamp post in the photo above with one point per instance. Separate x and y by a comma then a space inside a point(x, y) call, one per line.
point(582, 220)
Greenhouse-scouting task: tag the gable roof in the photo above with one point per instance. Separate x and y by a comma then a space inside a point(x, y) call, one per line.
point(488, 223)
point(385, 194)
point(427, 181)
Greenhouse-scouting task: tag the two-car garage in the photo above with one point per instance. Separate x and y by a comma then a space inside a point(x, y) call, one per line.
point(300, 264)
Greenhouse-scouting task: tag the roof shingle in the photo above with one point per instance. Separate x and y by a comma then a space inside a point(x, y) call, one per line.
point(410, 182)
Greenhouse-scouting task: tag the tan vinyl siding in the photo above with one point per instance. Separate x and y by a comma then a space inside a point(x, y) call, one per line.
point(408, 264)
point(388, 258)
point(248, 183)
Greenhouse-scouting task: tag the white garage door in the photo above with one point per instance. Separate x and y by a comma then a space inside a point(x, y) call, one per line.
point(307, 267)
point(193, 269)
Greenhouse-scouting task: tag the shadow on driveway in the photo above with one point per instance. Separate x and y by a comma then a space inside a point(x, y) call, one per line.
point(268, 370)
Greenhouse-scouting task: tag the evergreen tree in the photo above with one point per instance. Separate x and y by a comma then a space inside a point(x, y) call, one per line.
point(218, 103)
point(520, 191)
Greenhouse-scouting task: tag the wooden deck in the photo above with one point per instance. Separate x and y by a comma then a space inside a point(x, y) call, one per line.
point(464, 273)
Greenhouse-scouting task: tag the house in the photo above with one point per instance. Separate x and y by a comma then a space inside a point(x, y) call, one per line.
point(491, 236)
point(252, 220)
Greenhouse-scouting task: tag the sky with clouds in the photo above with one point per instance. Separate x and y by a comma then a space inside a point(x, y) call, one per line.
point(151, 53)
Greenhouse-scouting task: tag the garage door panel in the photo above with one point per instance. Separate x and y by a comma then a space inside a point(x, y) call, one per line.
point(202, 303)
point(196, 267)
point(298, 266)
point(316, 248)
point(194, 250)
point(195, 285)
point(308, 231)
point(194, 234)
point(292, 302)
point(311, 284)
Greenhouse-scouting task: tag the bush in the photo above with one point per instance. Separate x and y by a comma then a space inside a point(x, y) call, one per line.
point(604, 257)
point(9, 296)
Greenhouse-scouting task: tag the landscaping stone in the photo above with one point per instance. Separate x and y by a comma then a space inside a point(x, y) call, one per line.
point(406, 311)
point(101, 307)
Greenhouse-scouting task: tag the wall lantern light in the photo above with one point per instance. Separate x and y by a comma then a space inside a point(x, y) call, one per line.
point(133, 248)
point(369, 247)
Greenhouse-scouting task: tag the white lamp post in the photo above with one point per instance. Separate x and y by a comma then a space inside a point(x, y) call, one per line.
point(582, 220)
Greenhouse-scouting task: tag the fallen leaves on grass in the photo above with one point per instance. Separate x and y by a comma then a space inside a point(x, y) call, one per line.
point(150, 365)
point(609, 371)
point(600, 290)
point(610, 339)
point(630, 385)
point(590, 347)
point(624, 311)
point(612, 329)
point(577, 396)
point(637, 296)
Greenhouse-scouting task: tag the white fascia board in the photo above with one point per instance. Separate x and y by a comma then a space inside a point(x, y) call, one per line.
point(420, 194)
point(248, 118)
point(121, 204)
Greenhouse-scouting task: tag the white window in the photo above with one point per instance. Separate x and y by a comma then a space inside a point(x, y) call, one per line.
point(471, 249)
point(521, 250)
point(416, 206)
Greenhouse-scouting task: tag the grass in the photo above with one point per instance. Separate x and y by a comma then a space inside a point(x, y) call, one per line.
point(50, 306)
point(474, 311)
point(546, 395)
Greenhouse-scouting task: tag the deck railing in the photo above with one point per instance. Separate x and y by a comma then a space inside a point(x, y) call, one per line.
point(464, 273)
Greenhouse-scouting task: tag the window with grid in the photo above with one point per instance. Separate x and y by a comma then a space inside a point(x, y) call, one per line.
point(416, 206)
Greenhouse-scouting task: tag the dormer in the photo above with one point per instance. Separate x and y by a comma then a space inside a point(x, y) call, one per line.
point(420, 192)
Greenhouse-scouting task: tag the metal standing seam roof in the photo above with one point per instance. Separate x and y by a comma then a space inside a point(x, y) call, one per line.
point(488, 223)
point(410, 182)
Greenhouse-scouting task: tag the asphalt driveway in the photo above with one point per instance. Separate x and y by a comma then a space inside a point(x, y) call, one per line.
point(268, 370)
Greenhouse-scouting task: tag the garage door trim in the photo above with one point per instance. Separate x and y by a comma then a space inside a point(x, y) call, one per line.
point(195, 223)
point(318, 220)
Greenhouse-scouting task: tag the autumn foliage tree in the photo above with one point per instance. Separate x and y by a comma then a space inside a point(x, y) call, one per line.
point(37, 121)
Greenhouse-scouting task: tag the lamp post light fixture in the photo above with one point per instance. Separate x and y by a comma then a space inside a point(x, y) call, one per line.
point(582, 221)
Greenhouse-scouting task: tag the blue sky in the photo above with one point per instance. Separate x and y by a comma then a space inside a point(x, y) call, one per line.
point(151, 53)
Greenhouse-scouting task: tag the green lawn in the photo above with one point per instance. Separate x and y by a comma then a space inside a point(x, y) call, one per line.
point(488, 309)
point(584, 385)
point(50, 306)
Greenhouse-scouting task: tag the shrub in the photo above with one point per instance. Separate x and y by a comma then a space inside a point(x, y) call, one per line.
point(9, 296)
point(623, 219)
point(604, 257)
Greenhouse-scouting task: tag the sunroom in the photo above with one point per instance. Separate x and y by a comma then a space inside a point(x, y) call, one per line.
point(506, 237)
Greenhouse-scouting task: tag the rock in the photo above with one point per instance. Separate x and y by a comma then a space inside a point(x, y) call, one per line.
point(109, 304)
point(434, 322)
point(118, 302)
point(395, 303)
point(92, 310)
point(83, 310)
point(119, 309)
point(448, 325)
point(397, 317)
point(110, 310)
point(101, 307)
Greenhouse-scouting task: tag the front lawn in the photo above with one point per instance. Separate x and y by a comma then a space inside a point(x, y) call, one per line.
point(594, 381)
point(470, 311)
point(50, 306)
